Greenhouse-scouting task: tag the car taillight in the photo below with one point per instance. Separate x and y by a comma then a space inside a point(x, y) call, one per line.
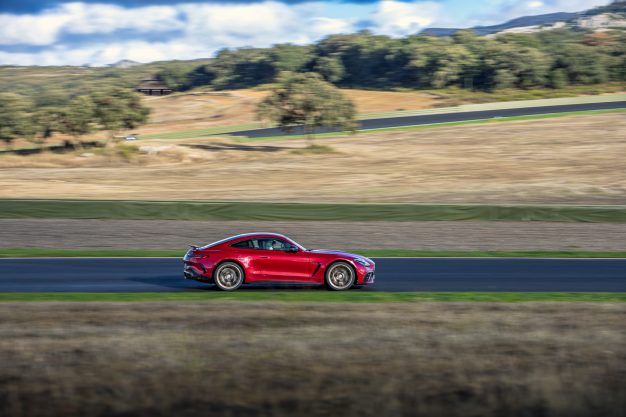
point(199, 256)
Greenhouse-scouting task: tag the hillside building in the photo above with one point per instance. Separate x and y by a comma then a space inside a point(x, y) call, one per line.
point(153, 87)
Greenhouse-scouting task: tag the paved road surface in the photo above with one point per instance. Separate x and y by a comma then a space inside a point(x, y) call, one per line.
point(399, 274)
point(443, 118)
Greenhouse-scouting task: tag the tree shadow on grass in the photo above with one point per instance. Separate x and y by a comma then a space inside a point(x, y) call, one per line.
point(66, 147)
point(214, 147)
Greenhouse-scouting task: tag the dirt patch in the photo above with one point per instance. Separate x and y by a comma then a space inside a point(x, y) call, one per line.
point(574, 159)
point(201, 110)
point(468, 235)
point(388, 101)
point(254, 359)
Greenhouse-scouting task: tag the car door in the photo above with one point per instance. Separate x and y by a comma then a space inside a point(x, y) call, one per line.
point(246, 252)
point(278, 264)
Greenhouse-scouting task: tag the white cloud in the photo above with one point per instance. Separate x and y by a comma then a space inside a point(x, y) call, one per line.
point(230, 25)
point(204, 29)
point(105, 18)
point(397, 18)
point(323, 26)
point(30, 29)
point(80, 18)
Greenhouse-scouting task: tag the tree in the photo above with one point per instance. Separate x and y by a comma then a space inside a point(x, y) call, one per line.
point(616, 59)
point(509, 65)
point(78, 117)
point(362, 59)
point(583, 64)
point(558, 78)
point(287, 57)
point(437, 63)
point(176, 77)
point(118, 109)
point(306, 99)
point(330, 68)
point(49, 109)
point(242, 68)
point(15, 118)
point(47, 121)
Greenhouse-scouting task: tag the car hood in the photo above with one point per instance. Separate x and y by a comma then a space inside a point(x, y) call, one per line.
point(339, 253)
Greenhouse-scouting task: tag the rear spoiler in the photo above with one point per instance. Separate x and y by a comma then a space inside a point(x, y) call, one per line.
point(193, 247)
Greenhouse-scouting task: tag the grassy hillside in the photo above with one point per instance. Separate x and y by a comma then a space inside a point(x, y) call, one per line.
point(67, 80)
point(572, 159)
point(210, 111)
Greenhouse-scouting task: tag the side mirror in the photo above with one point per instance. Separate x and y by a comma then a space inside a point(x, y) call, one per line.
point(291, 249)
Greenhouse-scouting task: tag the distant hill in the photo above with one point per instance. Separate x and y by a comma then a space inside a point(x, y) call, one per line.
point(539, 20)
point(614, 15)
point(124, 63)
point(544, 19)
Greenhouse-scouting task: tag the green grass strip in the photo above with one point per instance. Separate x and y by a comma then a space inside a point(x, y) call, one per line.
point(372, 253)
point(300, 295)
point(198, 133)
point(269, 211)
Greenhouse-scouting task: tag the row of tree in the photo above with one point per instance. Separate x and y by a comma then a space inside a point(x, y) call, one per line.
point(552, 59)
point(38, 119)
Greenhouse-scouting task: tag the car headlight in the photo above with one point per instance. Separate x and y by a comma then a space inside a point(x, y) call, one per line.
point(362, 262)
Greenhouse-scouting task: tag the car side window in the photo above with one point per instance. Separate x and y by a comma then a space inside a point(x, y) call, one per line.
point(246, 244)
point(272, 244)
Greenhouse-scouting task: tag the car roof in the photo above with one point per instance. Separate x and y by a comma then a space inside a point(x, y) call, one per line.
point(243, 236)
point(256, 234)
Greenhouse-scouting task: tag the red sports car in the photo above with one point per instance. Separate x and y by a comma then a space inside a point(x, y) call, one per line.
point(270, 257)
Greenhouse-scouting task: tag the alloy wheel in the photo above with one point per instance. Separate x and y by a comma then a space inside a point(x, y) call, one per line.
point(229, 277)
point(340, 276)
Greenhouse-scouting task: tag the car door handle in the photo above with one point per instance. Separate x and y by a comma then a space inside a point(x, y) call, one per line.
point(263, 257)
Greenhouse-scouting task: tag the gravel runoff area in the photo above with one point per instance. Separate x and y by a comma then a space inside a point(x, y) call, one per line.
point(441, 235)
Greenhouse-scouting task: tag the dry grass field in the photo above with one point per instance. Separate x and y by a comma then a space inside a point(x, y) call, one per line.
point(574, 159)
point(285, 359)
point(198, 110)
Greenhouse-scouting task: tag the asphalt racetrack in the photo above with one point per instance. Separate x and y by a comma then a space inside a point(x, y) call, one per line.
point(441, 118)
point(392, 274)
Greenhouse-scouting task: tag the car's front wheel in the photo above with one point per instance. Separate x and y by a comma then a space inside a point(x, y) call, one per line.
point(228, 276)
point(340, 276)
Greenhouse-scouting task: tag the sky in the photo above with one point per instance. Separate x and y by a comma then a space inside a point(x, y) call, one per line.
point(101, 32)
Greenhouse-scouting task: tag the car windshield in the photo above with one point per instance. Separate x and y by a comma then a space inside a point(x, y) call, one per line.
point(298, 245)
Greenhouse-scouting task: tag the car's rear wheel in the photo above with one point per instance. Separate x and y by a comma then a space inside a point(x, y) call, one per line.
point(228, 276)
point(340, 276)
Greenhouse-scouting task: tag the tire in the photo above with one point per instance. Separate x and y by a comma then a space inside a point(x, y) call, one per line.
point(228, 276)
point(340, 276)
